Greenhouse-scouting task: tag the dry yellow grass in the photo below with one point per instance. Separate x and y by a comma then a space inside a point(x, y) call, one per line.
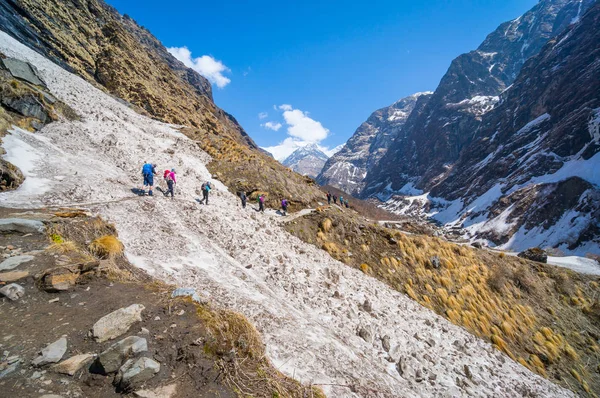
point(106, 246)
point(527, 310)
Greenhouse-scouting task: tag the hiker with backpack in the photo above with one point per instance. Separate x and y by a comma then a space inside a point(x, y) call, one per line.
point(334, 199)
point(171, 182)
point(261, 203)
point(205, 191)
point(148, 172)
point(346, 203)
point(243, 198)
point(284, 206)
point(342, 201)
point(328, 198)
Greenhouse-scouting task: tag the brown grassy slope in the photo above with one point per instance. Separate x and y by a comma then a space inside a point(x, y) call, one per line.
point(116, 54)
point(545, 317)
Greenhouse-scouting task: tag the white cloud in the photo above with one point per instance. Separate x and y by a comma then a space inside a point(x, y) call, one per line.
point(301, 130)
point(303, 127)
point(272, 126)
point(206, 65)
point(263, 115)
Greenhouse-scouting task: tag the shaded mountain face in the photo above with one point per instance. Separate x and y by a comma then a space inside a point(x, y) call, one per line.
point(117, 55)
point(531, 174)
point(308, 160)
point(348, 168)
point(432, 140)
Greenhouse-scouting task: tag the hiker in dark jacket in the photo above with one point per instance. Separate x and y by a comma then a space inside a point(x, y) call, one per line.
point(243, 198)
point(346, 203)
point(284, 206)
point(148, 172)
point(206, 187)
point(334, 199)
point(261, 203)
point(328, 198)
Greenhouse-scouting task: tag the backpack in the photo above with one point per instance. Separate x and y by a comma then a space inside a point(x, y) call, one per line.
point(284, 203)
point(147, 169)
point(203, 187)
point(169, 177)
point(261, 199)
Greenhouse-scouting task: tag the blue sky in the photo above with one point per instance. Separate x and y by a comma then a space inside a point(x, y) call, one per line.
point(332, 62)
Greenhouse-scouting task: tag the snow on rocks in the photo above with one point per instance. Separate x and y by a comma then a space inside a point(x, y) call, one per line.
point(290, 291)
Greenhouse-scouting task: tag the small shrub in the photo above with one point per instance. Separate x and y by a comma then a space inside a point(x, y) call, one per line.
point(326, 225)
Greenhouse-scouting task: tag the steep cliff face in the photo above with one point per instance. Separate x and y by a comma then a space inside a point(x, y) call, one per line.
point(435, 137)
point(113, 52)
point(530, 176)
point(348, 168)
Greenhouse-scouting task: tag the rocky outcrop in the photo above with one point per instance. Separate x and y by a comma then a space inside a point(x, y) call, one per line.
point(434, 138)
point(348, 168)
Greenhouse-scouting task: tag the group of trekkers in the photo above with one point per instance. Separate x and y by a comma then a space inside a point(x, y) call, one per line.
point(170, 179)
point(343, 202)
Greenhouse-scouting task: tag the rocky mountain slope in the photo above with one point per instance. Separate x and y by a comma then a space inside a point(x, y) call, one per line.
point(348, 168)
point(114, 53)
point(434, 138)
point(535, 159)
point(308, 160)
point(306, 304)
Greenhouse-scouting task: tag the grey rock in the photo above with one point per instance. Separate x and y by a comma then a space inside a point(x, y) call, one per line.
point(468, 372)
point(13, 291)
point(111, 359)
point(116, 323)
point(367, 306)
point(385, 343)
point(8, 368)
point(365, 334)
point(23, 70)
point(27, 105)
point(402, 367)
point(535, 254)
point(435, 262)
point(21, 225)
point(136, 371)
point(419, 376)
point(14, 262)
point(52, 353)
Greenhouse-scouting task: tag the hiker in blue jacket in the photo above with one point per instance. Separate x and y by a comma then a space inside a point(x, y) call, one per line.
point(148, 171)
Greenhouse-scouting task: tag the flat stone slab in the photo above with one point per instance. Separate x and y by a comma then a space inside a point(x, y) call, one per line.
point(116, 323)
point(13, 276)
point(21, 225)
point(14, 262)
point(72, 365)
point(136, 371)
point(160, 392)
point(23, 70)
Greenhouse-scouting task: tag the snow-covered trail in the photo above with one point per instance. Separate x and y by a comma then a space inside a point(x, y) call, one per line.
point(307, 306)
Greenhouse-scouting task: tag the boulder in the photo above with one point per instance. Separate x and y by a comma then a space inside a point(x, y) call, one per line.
point(136, 371)
point(477, 245)
point(112, 358)
point(435, 262)
point(13, 291)
point(535, 254)
point(160, 392)
point(365, 334)
point(52, 353)
point(21, 225)
point(14, 262)
point(26, 105)
point(59, 279)
point(116, 323)
point(23, 70)
point(72, 365)
point(13, 276)
point(385, 343)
